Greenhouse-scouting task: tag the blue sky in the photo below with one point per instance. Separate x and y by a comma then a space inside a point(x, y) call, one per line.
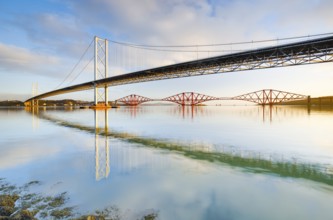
point(41, 41)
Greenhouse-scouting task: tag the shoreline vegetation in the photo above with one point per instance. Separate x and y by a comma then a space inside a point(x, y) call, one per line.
point(17, 202)
point(64, 102)
point(319, 101)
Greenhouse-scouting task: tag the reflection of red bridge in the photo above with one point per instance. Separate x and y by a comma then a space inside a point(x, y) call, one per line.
point(261, 97)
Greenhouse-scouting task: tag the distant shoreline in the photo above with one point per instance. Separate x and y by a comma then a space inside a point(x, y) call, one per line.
point(318, 101)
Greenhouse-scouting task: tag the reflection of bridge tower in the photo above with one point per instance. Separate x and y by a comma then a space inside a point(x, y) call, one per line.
point(187, 110)
point(34, 107)
point(101, 71)
point(129, 158)
point(35, 118)
point(267, 111)
point(101, 154)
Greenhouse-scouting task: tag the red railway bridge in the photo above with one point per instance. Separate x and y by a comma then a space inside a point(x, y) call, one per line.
point(134, 100)
point(260, 97)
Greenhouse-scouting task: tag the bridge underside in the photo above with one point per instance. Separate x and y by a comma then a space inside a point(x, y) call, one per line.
point(301, 53)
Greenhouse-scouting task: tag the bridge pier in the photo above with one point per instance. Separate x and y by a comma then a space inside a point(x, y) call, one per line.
point(32, 103)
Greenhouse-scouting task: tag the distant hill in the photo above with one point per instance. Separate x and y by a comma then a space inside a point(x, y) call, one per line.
point(62, 102)
point(11, 103)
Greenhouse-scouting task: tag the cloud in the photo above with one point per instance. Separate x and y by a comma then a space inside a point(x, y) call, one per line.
point(57, 36)
point(47, 26)
point(149, 21)
point(21, 60)
point(17, 60)
point(190, 21)
point(53, 33)
point(174, 22)
point(193, 22)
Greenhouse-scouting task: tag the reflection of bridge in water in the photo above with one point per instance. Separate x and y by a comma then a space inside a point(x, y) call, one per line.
point(102, 153)
point(258, 112)
point(131, 157)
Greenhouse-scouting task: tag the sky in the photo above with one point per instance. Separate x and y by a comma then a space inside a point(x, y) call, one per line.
point(41, 41)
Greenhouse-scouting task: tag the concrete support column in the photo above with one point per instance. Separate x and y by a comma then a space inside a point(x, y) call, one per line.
point(34, 103)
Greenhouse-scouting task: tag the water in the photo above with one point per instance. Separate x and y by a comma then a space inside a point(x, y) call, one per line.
point(209, 162)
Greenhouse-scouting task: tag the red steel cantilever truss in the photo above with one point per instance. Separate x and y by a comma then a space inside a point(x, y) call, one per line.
point(134, 100)
point(189, 98)
point(269, 97)
point(261, 97)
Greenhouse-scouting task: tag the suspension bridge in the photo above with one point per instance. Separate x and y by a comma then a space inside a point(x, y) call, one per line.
point(311, 51)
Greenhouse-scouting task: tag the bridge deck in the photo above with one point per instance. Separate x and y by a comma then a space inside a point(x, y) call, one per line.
point(300, 53)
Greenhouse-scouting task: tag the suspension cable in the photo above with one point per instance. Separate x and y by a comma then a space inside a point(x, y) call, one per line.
point(70, 73)
point(184, 51)
point(222, 44)
point(91, 59)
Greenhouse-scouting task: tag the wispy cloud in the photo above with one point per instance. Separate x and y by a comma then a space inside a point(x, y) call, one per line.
point(21, 60)
point(190, 21)
point(51, 38)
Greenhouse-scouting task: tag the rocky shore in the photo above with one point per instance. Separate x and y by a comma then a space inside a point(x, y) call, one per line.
point(18, 203)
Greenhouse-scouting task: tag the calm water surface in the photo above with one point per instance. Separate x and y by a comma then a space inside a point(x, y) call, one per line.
point(223, 162)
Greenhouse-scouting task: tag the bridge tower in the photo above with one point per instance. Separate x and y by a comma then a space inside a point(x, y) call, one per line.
point(100, 71)
point(34, 102)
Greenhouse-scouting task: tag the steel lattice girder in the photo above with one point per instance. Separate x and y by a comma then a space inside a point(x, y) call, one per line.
point(306, 52)
point(189, 98)
point(269, 96)
point(133, 99)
